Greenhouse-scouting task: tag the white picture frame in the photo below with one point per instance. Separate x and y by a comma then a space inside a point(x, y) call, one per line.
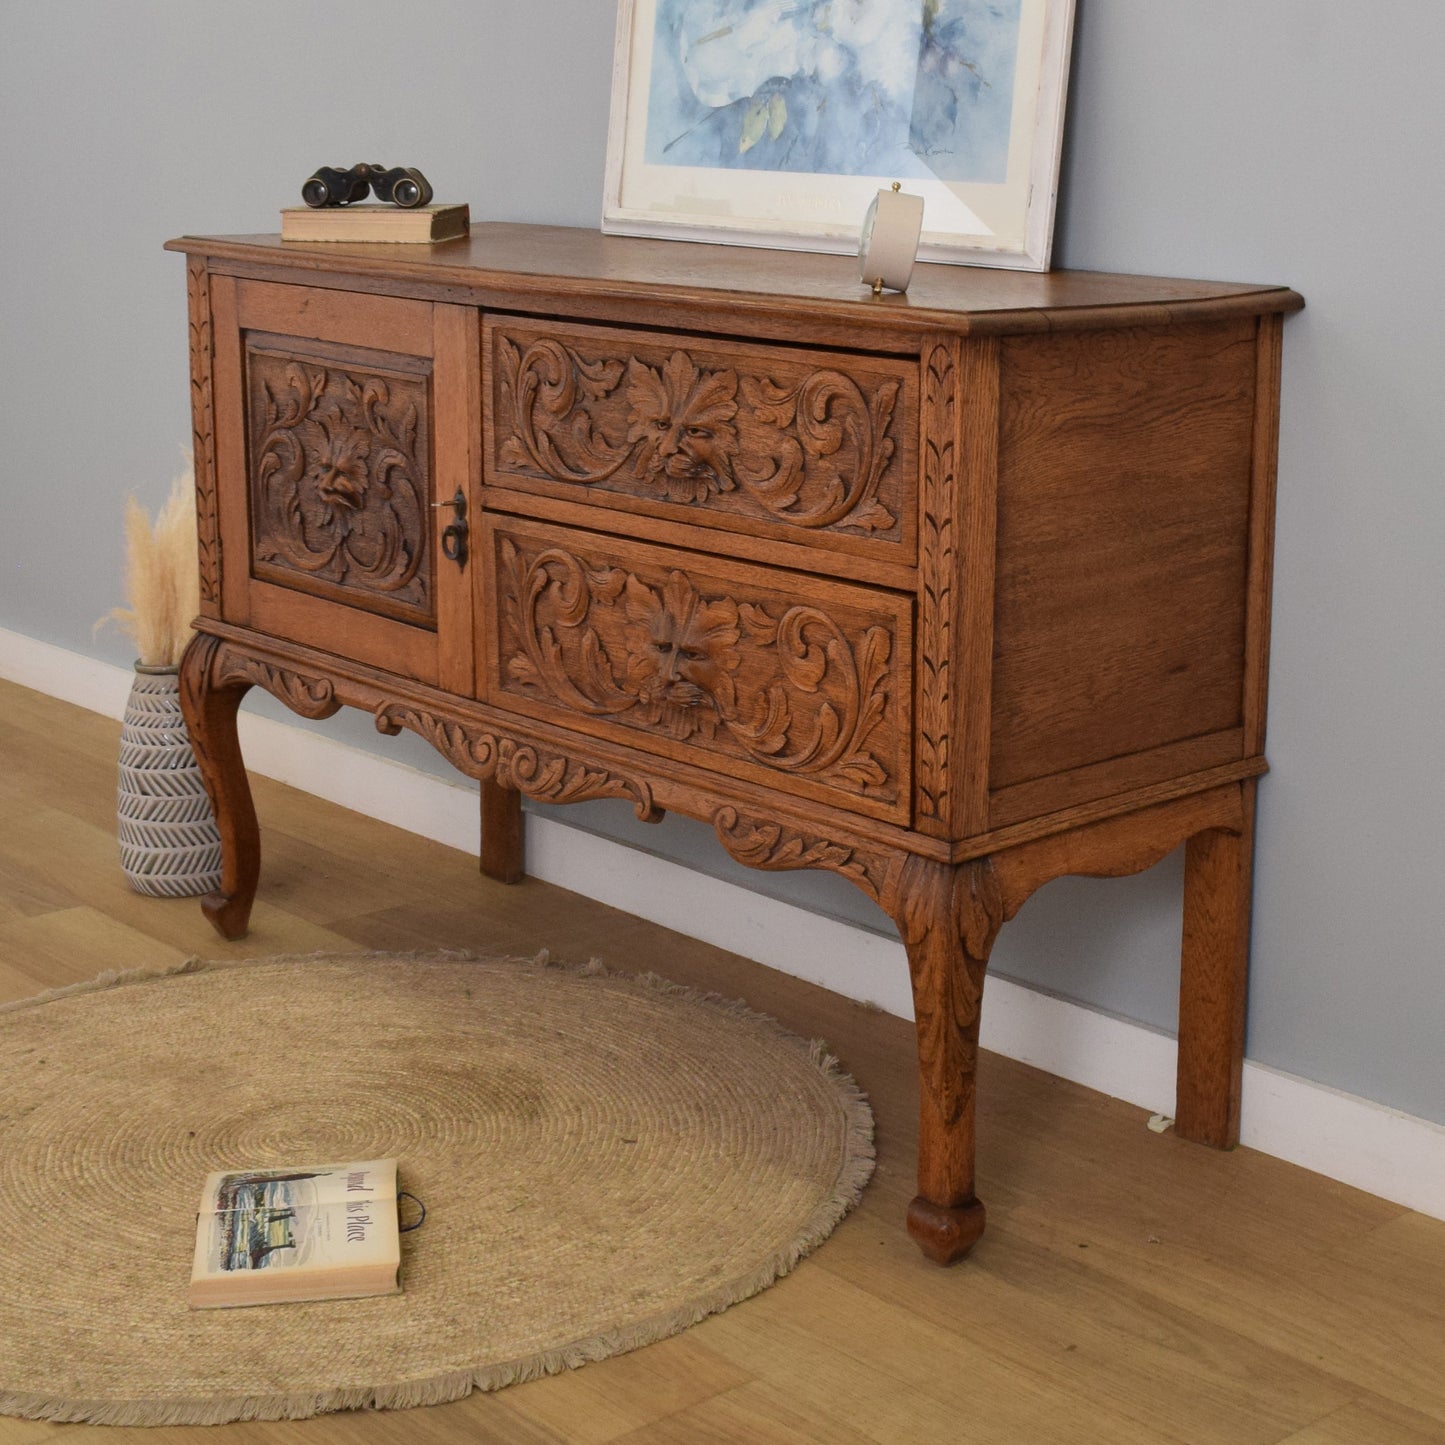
point(719, 108)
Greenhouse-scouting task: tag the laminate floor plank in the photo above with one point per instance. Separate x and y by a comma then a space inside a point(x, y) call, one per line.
point(754, 1414)
point(73, 945)
point(1370, 1421)
point(1131, 1289)
point(1097, 1349)
point(29, 1432)
point(478, 1420)
point(903, 1381)
point(611, 1400)
point(26, 890)
point(1312, 1293)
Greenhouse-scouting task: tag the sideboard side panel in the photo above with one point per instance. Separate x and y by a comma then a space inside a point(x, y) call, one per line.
point(1126, 462)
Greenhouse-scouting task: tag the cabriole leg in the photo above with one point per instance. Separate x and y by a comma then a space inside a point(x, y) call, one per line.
point(1214, 980)
point(949, 917)
point(210, 713)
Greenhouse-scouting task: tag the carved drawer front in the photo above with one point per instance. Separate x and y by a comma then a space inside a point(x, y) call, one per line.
point(339, 475)
point(762, 674)
point(815, 447)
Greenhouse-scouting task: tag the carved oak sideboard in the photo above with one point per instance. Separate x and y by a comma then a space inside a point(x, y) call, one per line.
point(951, 593)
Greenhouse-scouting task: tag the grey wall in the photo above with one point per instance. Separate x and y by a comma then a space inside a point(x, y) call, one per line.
point(1290, 142)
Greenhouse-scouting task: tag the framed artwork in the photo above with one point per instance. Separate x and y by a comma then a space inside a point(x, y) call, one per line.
point(775, 122)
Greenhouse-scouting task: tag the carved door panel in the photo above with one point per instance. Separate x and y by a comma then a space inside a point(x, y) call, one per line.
point(797, 683)
point(344, 442)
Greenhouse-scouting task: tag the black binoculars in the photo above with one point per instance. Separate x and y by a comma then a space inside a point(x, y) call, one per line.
point(331, 186)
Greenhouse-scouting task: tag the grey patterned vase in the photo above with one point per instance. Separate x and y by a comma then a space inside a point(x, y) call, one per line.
point(169, 846)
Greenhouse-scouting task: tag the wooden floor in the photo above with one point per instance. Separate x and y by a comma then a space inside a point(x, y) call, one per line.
point(1130, 1287)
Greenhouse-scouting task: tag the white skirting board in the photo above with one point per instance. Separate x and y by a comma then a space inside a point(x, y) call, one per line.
point(1354, 1140)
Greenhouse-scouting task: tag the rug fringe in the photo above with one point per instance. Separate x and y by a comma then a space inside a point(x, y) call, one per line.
point(111, 978)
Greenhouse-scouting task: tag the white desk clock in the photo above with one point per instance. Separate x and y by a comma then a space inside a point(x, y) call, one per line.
point(889, 243)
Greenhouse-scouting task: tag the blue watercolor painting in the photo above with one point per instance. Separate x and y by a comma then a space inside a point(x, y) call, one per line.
point(891, 88)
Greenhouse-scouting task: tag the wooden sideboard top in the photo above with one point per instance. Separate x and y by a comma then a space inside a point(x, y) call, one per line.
point(555, 261)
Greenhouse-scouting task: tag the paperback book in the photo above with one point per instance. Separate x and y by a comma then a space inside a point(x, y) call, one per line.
point(326, 1231)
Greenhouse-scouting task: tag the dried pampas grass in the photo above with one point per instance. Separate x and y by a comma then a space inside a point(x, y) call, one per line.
point(162, 579)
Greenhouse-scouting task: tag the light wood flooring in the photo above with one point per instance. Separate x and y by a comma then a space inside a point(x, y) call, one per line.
point(1130, 1287)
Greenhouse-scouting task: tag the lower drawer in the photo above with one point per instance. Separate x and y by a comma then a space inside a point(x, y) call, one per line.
point(775, 676)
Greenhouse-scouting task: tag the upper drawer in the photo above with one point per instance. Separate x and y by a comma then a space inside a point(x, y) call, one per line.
point(818, 447)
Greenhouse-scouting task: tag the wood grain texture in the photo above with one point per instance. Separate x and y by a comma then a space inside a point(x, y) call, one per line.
point(737, 284)
point(978, 486)
point(1081, 815)
point(826, 560)
point(457, 469)
point(503, 851)
point(1122, 547)
point(1130, 1288)
point(380, 323)
point(1115, 847)
point(1128, 774)
point(1214, 978)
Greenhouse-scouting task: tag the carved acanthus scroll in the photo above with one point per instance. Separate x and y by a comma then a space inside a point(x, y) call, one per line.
point(312, 697)
point(810, 450)
point(339, 481)
point(784, 685)
point(538, 772)
point(760, 843)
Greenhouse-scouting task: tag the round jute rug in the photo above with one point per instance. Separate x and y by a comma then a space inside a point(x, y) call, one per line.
point(604, 1161)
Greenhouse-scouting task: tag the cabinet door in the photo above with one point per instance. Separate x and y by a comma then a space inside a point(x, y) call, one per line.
point(342, 437)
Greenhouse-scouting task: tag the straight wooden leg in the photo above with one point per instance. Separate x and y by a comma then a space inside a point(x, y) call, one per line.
point(503, 841)
point(1214, 980)
point(949, 917)
point(210, 713)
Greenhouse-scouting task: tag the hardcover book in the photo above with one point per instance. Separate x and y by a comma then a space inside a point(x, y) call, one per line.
point(326, 1231)
point(374, 223)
